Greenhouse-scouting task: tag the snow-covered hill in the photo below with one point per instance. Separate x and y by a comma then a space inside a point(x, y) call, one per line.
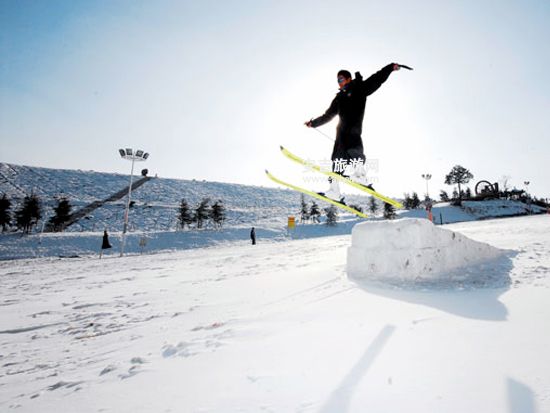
point(156, 202)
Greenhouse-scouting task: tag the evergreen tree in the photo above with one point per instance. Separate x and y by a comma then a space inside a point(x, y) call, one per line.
point(444, 196)
point(29, 214)
point(62, 215)
point(468, 193)
point(407, 201)
point(458, 175)
point(455, 199)
point(373, 205)
point(217, 214)
point(411, 202)
point(184, 214)
point(415, 201)
point(202, 212)
point(314, 212)
point(304, 211)
point(5, 214)
point(332, 215)
point(389, 211)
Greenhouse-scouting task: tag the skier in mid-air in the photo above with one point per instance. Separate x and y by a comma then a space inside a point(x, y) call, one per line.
point(349, 104)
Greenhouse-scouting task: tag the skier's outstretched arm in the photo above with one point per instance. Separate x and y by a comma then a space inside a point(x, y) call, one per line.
point(330, 113)
point(372, 84)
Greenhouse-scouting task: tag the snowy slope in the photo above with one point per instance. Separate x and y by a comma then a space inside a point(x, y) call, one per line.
point(156, 202)
point(276, 328)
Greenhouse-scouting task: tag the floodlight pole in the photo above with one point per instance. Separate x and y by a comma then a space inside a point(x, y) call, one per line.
point(528, 199)
point(427, 177)
point(129, 154)
point(127, 210)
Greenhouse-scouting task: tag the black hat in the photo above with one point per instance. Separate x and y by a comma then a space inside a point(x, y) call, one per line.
point(344, 73)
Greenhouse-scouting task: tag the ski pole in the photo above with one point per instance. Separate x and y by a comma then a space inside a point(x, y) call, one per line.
point(324, 134)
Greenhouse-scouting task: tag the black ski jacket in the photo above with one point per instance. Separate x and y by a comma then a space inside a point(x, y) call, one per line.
point(349, 105)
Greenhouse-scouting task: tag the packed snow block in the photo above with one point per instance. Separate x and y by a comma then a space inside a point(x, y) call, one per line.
point(410, 250)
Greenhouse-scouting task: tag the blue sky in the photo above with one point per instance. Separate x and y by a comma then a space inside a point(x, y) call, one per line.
point(211, 88)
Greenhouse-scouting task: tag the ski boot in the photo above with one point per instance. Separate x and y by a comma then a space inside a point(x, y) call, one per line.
point(359, 175)
point(334, 192)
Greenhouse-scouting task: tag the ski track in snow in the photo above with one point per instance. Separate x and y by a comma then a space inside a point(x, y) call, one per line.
point(70, 327)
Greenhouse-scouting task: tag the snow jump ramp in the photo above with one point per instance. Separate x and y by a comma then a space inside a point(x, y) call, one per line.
point(414, 250)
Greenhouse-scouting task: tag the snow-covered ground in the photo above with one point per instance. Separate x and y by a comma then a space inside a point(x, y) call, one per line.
point(82, 244)
point(278, 327)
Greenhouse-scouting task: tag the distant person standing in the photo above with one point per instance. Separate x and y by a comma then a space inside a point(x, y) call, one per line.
point(253, 236)
point(105, 244)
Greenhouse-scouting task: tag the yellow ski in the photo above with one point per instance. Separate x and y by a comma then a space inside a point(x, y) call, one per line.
point(316, 195)
point(317, 168)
